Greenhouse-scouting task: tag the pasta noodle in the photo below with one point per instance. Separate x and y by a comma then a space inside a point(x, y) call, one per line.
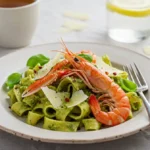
point(33, 118)
point(30, 100)
point(39, 108)
point(56, 125)
point(12, 96)
point(49, 111)
point(26, 81)
point(70, 85)
point(91, 124)
point(17, 92)
point(20, 108)
point(80, 111)
point(62, 114)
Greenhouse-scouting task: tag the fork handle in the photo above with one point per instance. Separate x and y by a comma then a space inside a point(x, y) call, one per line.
point(146, 103)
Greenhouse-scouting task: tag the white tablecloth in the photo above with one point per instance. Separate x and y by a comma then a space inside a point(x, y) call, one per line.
point(51, 19)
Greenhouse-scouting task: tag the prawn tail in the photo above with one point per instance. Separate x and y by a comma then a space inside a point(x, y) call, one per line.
point(100, 116)
point(94, 105)
point(125, 112)
point(36, 86)
point(49, 79)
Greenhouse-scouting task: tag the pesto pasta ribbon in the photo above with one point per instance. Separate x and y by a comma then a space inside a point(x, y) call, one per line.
point(49, 111)
point(91, 124)
point(30, 100)
point(39, 108)
point(42, 102)
point(52, 87)
point(29, 72)
point(56, 125)
point(40, 94)
point(17, 92)
point(20, 108)
point(12, 97)
point(80, 111)
point(70, 84)
point(62, 114)
point(33, 118)
point(26, 81)
point(135, 101)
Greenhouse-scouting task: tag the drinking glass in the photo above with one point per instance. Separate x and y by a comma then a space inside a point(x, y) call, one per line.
point(128, 20)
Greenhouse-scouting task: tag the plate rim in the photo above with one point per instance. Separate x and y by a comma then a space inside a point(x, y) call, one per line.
point(80, 42)
point(71, 141)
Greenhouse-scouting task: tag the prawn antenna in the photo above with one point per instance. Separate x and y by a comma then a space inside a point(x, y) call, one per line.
point(58, 51)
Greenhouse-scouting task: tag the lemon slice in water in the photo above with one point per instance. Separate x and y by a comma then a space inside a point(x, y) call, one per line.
point(133, 8)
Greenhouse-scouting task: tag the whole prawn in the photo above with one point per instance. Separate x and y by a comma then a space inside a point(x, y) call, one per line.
point(55, 73)
point(104, 84)
point(51, 77)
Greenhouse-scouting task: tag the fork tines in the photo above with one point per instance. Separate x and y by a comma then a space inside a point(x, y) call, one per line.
point(135, 75)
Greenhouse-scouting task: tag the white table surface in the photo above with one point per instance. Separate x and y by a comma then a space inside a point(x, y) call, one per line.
point(51, 19)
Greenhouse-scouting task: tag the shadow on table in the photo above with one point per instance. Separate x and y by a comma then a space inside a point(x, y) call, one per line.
point(140, 141)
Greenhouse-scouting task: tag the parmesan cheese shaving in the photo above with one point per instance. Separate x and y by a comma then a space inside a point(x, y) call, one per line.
point(76, 15)
point(74, 25)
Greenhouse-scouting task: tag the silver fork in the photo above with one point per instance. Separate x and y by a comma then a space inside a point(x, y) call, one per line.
point(137, 77)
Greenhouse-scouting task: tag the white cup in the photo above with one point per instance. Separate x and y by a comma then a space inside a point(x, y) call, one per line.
point(18, 25)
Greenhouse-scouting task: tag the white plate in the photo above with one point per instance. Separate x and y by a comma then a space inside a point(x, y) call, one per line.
point(17, 61)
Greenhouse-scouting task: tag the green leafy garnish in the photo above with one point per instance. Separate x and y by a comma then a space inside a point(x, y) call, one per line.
point(13, 79)
point(87, 57)
point(127, 85)
point(34, 60)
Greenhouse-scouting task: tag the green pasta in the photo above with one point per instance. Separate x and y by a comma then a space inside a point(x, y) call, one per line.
point(27, 81)
point(17, 92)
point(56, 125)
point(69, 84)
point(29, 72)
point(42, 102)
point(40, 94)
point(52, 87)
point(12, 96)
point(130, 115)
point(135, 101)
point(49, 111)
point(38, 108)
point(20, 108)
point(22, 89)
point(30, 100)
point(62, 114)
point(80, 111)
point(91, 124)
point(33, 118)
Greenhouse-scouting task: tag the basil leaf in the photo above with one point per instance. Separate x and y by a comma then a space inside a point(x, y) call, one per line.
point(13, 79)
point(34, 60)
point(86, 56)
point(127, 85)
